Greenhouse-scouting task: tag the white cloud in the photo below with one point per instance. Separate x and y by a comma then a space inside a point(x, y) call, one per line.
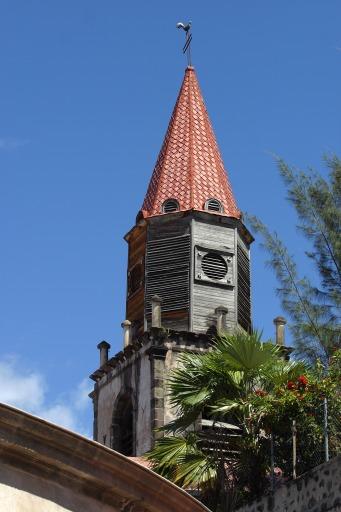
point(60, 414)
point(18, 389)
point(9, 143)
point(27, 390)
point(81, 395)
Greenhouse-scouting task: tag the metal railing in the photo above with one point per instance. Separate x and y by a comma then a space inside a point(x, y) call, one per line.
point(305, 448)
point(295, 447)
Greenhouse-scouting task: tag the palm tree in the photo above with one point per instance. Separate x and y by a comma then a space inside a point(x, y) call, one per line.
point(217, 443)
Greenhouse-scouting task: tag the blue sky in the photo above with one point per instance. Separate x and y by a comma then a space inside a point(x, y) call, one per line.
point(87, 89)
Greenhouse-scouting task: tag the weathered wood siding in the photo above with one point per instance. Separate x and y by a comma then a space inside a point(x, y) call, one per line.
point(135, 301)
point(206, 297)
point(168, 226)
point(243, 285)
point(168, 270)
point(168, 249)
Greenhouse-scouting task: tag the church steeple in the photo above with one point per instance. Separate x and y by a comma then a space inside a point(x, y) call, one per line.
point(189, 245)
point(189, 168)
point(188, 277)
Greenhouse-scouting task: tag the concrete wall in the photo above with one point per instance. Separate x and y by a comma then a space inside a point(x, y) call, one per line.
point(22, 492)
point(318, 490)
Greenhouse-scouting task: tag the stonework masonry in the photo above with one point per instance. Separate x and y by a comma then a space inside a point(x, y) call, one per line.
point(140, 371)
point(318, 490)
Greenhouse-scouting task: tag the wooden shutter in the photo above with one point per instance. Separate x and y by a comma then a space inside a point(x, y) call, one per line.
point(244, 292)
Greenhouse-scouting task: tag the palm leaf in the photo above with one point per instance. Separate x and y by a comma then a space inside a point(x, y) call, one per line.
point(169, 450)
point(280, 372)
point(244, 352)
point(195, 470)
point(182, 422)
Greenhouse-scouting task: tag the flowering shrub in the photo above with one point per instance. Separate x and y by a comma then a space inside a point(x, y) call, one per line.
point(301, 398)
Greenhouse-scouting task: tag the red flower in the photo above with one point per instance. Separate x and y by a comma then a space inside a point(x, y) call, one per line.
point(291, 385)
point(260, 392)
point(302, 380)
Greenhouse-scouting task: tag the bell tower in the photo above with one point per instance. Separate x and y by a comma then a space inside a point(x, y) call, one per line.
point(188, 277)
point(189, 245)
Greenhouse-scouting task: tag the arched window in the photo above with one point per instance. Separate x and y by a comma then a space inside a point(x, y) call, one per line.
point(170, 205)
point(213, 205)
point(123, 425)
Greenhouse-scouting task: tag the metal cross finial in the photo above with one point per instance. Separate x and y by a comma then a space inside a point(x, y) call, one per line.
point(187, 48)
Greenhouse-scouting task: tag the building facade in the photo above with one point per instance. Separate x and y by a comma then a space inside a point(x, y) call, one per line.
point(47, 468)
point(188, 277)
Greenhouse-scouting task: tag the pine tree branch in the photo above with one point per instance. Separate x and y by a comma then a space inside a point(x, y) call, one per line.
point(290, 177)
point(277, 250)
point(302, 301)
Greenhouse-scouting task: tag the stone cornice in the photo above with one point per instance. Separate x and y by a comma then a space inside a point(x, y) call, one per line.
point(156, 338)
point(52, 453)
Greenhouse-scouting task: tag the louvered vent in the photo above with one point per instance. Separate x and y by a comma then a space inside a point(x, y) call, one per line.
point(214, 205)
point(167, 272)
point(214, 266)
point(244, 292)
point(170, 205)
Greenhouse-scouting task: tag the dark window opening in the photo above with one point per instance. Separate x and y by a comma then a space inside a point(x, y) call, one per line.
point(122, 427)
point(135, 278)
point(170, 205)
point(214, 266)
point(214, 205)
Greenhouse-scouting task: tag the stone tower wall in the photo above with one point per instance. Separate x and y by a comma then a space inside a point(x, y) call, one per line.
point(141, 372)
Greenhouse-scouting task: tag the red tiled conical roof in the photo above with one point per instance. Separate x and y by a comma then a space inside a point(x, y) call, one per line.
point(189, 167)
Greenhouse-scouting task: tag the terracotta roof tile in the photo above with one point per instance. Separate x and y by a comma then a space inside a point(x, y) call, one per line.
point(189, 167)
point(142, 461)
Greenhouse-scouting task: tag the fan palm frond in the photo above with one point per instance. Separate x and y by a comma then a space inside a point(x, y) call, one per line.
point(196, 469)
point(244, 352)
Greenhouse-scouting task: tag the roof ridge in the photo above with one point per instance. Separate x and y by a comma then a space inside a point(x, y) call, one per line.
point(190, 137)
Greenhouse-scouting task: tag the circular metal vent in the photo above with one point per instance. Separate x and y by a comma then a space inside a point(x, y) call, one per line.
point(170, 205)
point(214, 266)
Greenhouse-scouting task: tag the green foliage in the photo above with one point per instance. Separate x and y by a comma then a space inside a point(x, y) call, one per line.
point(314, 309)
point(181, 460)
point(230, 386)
point(302, 399)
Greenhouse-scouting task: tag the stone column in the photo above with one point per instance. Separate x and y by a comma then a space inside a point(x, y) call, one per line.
point(221, 313)
point(126, 325)
point(156, 311)
point(157, 356)
point(280, 322)
point(103, 348)
point(94, 397)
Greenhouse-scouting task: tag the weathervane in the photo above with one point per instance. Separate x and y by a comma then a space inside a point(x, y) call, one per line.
point(187, 48)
